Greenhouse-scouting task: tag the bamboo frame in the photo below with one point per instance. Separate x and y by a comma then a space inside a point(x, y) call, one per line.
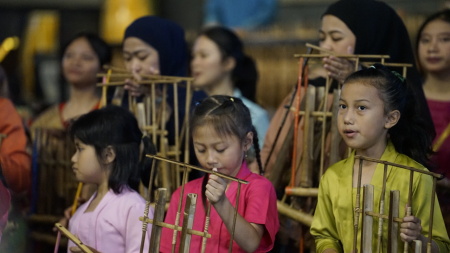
point(392, 218)
point(322, 114)
point(186, 230)
point(156, 113)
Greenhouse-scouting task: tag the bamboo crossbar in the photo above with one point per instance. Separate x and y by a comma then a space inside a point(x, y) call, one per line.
point(380, 216)
point(435, 175)
point(329, 52)
point(173, 227)
point(73, 238)
point(197, 168)
point(150, 77)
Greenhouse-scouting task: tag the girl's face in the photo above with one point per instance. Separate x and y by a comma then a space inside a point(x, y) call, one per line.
point(362, 121)
point(335, 36)
point(208, 67)
point(140, 57)
point(80, 63)
point(434, 47)
point(225, 153)
point(86, 165)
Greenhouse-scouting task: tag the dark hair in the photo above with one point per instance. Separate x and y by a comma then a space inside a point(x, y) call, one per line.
point(116, 127)
point(245, 74)
point(101, 49)
point(443, 15)
point(409, 135)
point(228, 116)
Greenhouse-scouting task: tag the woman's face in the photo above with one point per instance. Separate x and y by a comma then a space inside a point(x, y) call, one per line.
point(335, 36)
point(140, 57)
point(434, 47)
point(207, 64)
point(80, 63)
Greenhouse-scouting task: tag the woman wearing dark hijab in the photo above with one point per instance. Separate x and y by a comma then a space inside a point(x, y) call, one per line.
point(352, 27)
point(156, 46)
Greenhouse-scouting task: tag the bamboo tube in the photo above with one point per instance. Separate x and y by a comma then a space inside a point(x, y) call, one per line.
point(186, 121)
point(357, 206)
point(322, 143)
point(296, 121)
point(381, 210)
point(392, 225)
point(177, 217)
point(307, 156)
point(334, 132)
point(430, 229)
point(367, 220)
point(417, 246)
point(302, 192)
point(297, 215)
point(188, 222)
point(158, 215)
point(73, 238)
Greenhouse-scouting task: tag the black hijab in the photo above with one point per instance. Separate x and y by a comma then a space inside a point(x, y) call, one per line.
point(167, 38)
point(379, 30)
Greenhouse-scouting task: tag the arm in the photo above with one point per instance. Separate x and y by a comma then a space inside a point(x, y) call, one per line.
point(323, 227)
point(247, 235)
point(14, 158)
point(417, 225)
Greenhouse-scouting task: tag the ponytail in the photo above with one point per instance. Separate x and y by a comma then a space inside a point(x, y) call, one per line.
point(257, 151)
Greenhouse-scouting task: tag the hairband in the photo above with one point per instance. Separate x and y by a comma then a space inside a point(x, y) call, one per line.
point(398, 75)
point(232, 99)
point(395, 73)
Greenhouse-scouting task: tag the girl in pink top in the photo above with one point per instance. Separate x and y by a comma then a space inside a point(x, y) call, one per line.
point(222, 133)
point(433, 53)
point(107, 154)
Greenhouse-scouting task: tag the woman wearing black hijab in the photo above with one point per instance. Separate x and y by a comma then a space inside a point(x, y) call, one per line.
point(352, 27)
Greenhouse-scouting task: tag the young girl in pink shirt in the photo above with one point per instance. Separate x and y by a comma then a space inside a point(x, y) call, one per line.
point(107, 154)
point(222, 132)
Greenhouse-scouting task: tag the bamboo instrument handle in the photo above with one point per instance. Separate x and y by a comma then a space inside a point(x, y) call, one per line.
point(77, 197)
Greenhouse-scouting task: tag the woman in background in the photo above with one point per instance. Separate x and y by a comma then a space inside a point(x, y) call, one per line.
point(433, 53)
point(220, 67)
